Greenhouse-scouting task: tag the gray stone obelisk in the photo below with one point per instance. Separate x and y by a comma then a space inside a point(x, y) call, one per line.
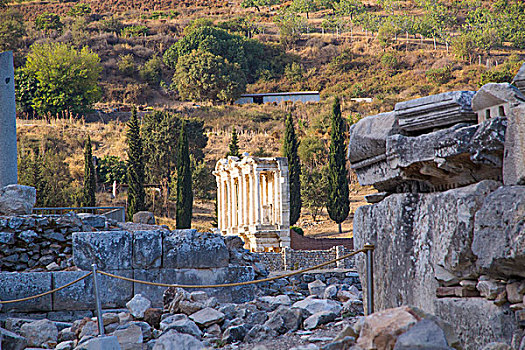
point(8, 161)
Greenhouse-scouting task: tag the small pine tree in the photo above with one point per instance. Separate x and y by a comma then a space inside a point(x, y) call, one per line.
point(234, 145)
point(135, 167)
point(338, 205)
point(88, 192)
point(290, 146)
point(184, 190)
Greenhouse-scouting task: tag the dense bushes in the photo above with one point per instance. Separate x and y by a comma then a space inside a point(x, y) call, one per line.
point(66, 79)
point(213, 64)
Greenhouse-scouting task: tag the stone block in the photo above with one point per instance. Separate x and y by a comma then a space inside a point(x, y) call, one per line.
point(100, 343)
point(113, 292)
point(514, 159)
point(17, 200)
point(477, 321)
point(436, 111)
point(428, 233)
point(198, 277)
point(11, 341)
point(369, 136)
point(144, 217)
point(499, 233)
point(15, 285)
point(96, 221)
point(147, 249)
point(192, 249)
point(110, 250)
point(153, 293)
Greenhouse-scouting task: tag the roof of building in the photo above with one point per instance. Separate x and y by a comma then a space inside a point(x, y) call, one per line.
point(282, 93)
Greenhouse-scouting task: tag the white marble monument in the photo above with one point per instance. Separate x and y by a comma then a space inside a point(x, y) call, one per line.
point(253, 201)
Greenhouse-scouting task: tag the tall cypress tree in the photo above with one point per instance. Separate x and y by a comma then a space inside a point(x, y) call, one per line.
point(89, 189)
point(184, 190)
point(234, 145)
point(135, 171)
point(338, 205)
point(290, 146)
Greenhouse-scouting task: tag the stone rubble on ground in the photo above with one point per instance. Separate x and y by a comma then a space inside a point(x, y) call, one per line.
point(182, 325)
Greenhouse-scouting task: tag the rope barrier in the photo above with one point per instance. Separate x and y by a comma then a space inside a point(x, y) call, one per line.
point(189, 286)
point(46, 293)
point(233, 284)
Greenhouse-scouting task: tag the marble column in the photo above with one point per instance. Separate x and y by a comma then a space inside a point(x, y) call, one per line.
point(234, 202)
point(219, 204)
point(240, 196)
point(228, 204)
point(276, 198)
point(8, 155)
point(246, 199)
point(252, 199)
point(258, 198)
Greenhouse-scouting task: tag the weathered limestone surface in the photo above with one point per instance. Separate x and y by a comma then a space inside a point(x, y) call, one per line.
point(477, 321)
point(192, 249)
point(369, 137)
point(147, 249)
point(221, 275)
point(113, 292)
point(514, 161)
point(426, 113)
point(499, 238)
point(456, 156)
point(8, 155)
point(424, 239)
point(110, 250)
point(15, 285)
point(17, 200)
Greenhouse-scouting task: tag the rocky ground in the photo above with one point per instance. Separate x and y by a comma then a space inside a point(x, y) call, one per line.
point(195, 320)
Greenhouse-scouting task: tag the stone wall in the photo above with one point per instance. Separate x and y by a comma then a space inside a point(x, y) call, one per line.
point(291, 259)
point(35, 242)
point(171, 257)
point(439, 252)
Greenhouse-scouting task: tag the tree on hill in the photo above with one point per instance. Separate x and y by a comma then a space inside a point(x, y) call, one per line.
point(66, 78)
point(135, 168)
point(290, 147)
point(79, 10)
point(202, 76)
point(184, 188)
point(338, 204)
point(48, 21)
point(233, 147)
point(12, 30)
point(90, 184)
point(259, 3)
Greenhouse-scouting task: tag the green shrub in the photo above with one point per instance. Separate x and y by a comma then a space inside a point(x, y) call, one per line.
point(439, 75)
point(389, 60)
point(151, 71)
point(504, 73)
point(126, 65)
point(134, 31)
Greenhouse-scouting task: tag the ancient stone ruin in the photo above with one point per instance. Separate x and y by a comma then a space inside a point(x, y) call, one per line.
point(449, 225)
point(8, 163)
point(253, 201)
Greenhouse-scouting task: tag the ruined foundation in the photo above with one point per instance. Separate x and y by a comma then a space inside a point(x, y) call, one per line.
point(449, 224)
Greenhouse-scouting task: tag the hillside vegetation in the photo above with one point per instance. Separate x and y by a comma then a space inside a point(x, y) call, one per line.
point(156, 54)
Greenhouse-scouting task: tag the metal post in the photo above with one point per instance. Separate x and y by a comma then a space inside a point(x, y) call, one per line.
point(369, 278)
point(97, 301)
